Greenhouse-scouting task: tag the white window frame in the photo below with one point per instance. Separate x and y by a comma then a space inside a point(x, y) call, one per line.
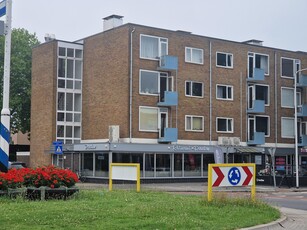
point(160, 40)
point(296, 66)
point(227, 119)
point(191, 60)
point(254, 92)
point(165, 74)
point(194, 130)
point(298, 96)
point(226, 86)
point(191, 89)
point(148, 130)
point(254, 60)
point(268, 125)
point(281, 128)
point(227, 64)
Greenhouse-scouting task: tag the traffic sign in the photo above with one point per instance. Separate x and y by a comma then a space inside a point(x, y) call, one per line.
point(58, 147)
point(231, 175)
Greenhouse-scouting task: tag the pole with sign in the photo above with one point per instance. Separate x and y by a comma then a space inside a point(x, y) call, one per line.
point(6, 9)
point(231, 175)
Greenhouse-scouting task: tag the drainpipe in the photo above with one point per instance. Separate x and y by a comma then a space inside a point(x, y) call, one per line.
point(130, 90)
point(276, 108)
point(210, 103)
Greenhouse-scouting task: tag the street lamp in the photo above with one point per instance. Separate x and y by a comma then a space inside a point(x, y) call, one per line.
point(295, 127)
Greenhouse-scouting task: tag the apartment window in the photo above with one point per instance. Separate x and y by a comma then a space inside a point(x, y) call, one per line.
point(287, 100)
point(194, 55)
point(258, 92)
point(224, 92)
point(224, 124)
point(287, 127)
point(153, 47)
point(224, 60)
point(289, 67)
point(148, 119)
point(260, 61)
point(152, 82)
point(194, 89)
point(194, 123)
point(263, 125)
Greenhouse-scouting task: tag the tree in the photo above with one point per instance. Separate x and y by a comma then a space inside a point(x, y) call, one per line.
point(20, 79)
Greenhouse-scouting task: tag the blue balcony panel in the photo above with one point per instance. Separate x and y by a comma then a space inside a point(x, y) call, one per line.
point(168, 63)
point(258, 107)
point(170, 135)
point(170, 99)
point(259, 139)
point(258, 75)
point(302, 141)
point(302, 111)
point(302, 81)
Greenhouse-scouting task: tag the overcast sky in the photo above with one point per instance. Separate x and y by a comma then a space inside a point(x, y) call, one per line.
point(279, 23)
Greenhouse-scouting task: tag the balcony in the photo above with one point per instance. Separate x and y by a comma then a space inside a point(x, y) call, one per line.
point(302, 110)
point(258, 75)
point(258, 138)
point(168, 63)
point(169, 98)
point(302, 141)
point(170, 135)
point(302, 81)
point(257, 107)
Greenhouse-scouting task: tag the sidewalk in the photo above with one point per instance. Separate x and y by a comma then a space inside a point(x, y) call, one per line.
point(292, 219)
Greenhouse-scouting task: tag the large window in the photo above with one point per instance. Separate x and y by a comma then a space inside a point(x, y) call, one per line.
point(194, 89)
point(148, 119)
point(263, 125)
point(224, 124)
point(194, 55)
point(289, 67)
point(259, 92)
point(287, 127)
point(224, 92)
point(153, 47)
point(260, 61)
point(224, 60)
point(152, 82)
point(194, 123)
point(287, 97)
point(69, 92)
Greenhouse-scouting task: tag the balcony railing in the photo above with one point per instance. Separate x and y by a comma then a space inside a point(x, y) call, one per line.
point(257, 107)
point(302, 81)
point(168, 63)
point(302, 141)
point(170, 135)
point(302, 110)
point(258, 75)
point(258, 138)
point(169, 98)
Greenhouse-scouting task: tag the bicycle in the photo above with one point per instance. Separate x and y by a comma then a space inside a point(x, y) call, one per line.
point(81, 177)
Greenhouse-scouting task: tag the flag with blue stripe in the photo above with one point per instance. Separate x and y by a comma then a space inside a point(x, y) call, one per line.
point(2, 8)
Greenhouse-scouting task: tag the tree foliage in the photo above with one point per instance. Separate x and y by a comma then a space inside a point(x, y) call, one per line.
point(22, 43)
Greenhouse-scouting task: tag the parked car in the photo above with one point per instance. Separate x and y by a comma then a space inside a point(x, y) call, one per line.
point(16, 165)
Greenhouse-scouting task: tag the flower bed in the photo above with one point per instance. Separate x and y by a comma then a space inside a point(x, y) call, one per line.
point(49, 178)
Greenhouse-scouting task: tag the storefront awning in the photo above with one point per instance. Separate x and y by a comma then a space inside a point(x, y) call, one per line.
point(249, 150)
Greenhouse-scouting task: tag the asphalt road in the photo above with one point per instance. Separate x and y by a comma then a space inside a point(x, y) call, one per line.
point(295, 200)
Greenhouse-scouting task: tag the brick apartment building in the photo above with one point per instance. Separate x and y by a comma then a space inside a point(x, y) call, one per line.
point(168, 100)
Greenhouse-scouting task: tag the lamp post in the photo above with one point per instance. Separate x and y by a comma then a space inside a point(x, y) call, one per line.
point(295, 127)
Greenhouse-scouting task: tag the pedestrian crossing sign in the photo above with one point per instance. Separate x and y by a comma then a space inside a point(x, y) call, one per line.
point(58, 147)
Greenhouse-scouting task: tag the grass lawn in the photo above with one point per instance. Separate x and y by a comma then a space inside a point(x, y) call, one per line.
point(121, 209)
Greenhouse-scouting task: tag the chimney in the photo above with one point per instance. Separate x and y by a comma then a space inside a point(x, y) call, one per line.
point(112, 21)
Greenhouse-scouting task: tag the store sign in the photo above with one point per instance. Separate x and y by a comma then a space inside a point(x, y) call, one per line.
point(191, 148)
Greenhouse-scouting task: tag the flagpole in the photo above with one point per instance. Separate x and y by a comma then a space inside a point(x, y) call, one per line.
point(5, 112)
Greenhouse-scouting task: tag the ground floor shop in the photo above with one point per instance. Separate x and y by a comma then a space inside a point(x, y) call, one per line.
point(172, 161)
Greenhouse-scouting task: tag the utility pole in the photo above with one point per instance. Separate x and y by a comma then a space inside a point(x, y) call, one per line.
point(5, 112)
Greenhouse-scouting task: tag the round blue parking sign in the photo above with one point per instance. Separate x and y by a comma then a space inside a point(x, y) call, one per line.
point(234, 176)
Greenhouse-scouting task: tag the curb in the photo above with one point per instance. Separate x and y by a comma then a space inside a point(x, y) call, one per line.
point(277, 222)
